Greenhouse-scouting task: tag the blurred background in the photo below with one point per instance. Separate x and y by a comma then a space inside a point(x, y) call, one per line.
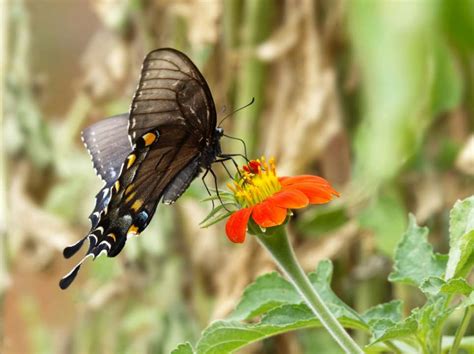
point(376, 96)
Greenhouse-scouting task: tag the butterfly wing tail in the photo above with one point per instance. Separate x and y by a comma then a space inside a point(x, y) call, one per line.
point(71, 250)
point(69, 277)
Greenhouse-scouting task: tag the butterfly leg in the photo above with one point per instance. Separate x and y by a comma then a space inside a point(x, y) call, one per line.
point(217, 189)
point(235, 155)
point(205, 186)
point(222, 160)
point(225, 167)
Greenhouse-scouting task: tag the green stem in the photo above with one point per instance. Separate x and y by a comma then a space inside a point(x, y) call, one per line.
point(467, 343)
point(280, 249)
point(461, 330)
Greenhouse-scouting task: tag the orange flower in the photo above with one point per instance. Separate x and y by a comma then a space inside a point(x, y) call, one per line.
point(267, 197)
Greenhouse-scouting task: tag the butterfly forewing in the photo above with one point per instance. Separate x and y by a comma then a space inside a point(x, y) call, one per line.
point(172, 90)
point(172, 124)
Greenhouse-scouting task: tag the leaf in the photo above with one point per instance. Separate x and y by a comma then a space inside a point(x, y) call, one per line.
point(385, 329)
point(183, 348)
point(267, 292)
point(415, 260)
point(281, 308)
point(386, 323)
point(226, 336)
point(430, 320)
point(217, 214)
point(391, 311)
point(271, 290)
point(461, 238)
point(287, 315)
point(222, 196)
point(321, 280)
point(436, 285)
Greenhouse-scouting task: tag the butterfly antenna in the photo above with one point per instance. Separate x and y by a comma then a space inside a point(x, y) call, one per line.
point(238, 109)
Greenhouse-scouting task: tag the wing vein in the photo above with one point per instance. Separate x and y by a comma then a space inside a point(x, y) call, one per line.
point(165, 60)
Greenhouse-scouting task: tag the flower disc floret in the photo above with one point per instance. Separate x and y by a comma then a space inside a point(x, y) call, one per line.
point(257, 182)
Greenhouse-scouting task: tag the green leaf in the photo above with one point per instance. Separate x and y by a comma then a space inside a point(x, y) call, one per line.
point(288, 315)
point(430, 320)
point(461, 233)
point(183, 348)
point(281, 310)
point(415, 260)
point(217, 214)
point(267, 292)
point(222, 196)
point(271, 290)
point(386, 323)
point(321, 280)
point(226, 336)
point(436, 285)
point(385, 329)
point(390, 311)
point(422, 326)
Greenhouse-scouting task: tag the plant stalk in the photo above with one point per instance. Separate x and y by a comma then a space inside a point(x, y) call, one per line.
point(461, 330)
point(280, 249)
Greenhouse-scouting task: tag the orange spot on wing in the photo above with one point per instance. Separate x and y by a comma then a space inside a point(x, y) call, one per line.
point(133, 230)
point(149, 138)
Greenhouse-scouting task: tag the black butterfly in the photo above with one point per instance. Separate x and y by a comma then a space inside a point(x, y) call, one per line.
point(151, 154)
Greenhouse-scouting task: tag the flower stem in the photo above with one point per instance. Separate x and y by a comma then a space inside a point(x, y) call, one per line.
point(461, 330)
point(280, 249)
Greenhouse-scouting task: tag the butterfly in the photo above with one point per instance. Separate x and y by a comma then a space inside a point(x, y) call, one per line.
point(149, 155)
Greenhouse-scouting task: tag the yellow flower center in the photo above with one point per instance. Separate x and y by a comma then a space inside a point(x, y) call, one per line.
point(257, 181)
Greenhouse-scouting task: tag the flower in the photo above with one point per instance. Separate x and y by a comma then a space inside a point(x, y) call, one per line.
point(265, 197)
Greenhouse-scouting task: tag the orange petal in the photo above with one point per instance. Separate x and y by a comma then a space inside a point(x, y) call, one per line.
point(287, 181)
point(267, 214)
point(316, 193)
point(290, 198)
point(236, 226)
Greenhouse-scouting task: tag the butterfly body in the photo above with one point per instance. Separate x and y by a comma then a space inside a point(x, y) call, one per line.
point(150, 155)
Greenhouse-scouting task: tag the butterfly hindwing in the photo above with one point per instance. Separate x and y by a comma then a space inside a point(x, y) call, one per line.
point(108, 144)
